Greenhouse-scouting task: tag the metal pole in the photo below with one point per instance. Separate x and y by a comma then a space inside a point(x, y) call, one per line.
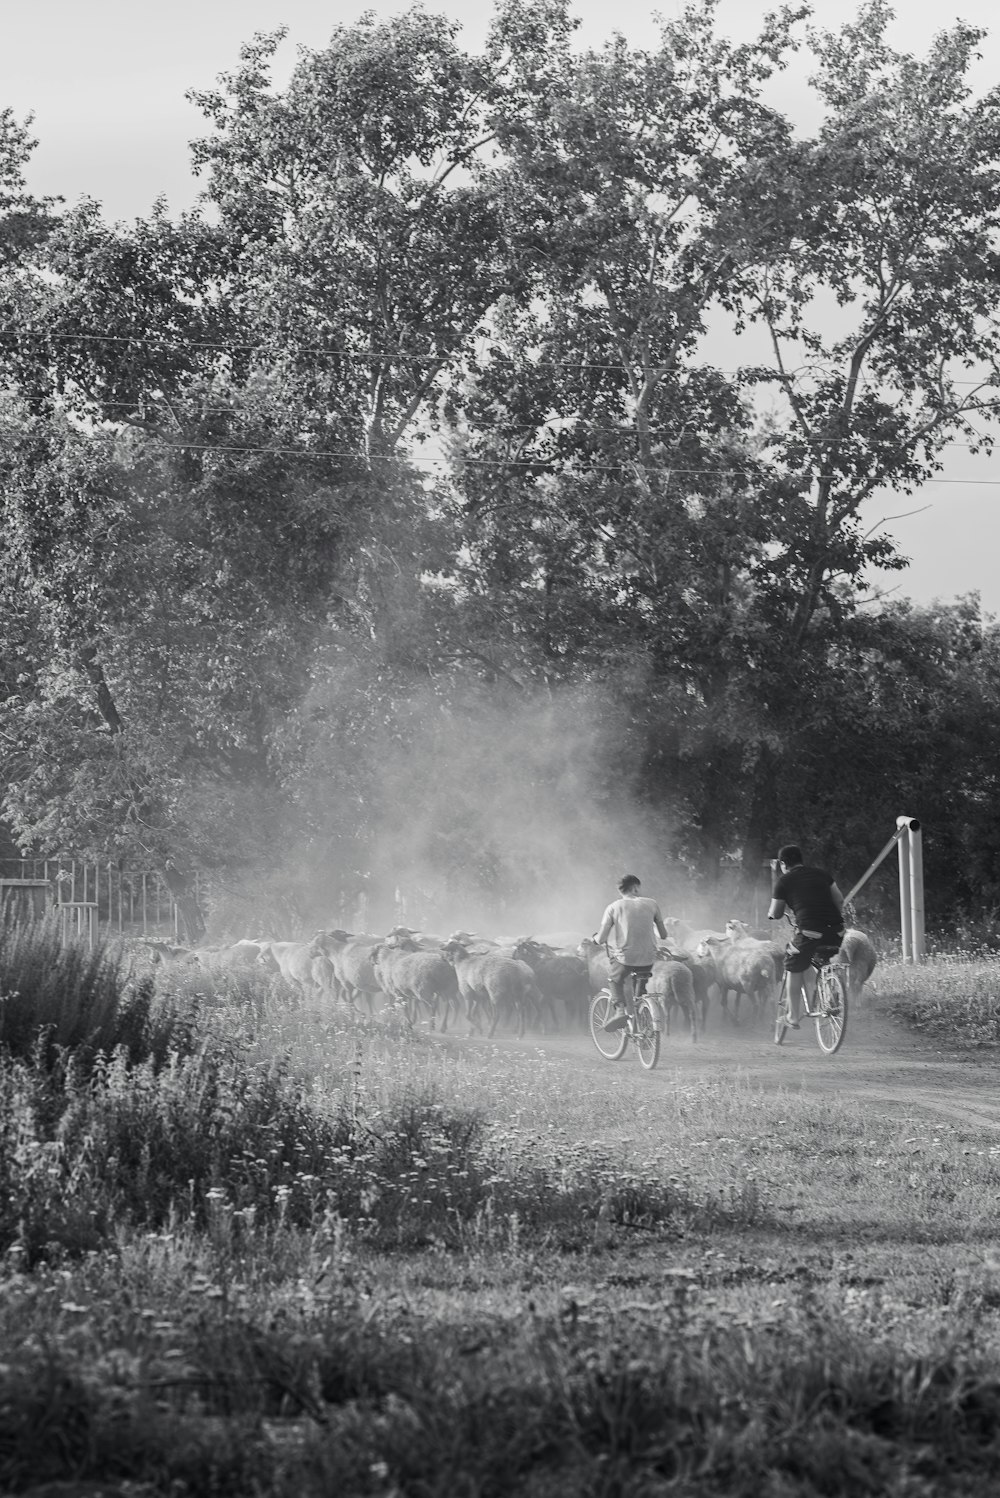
point(905, 926)
point(917, 892)
point(869, 871)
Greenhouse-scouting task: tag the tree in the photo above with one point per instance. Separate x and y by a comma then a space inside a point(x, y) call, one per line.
point(24, 219)
point(231, 589)
point(890, 217)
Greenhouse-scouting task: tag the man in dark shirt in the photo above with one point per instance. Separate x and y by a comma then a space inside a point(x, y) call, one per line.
point(818, 908)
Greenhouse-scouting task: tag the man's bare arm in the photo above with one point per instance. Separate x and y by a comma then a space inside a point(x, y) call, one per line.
point(776, 910)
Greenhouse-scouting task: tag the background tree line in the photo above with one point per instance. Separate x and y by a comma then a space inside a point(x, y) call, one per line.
point(392, 511)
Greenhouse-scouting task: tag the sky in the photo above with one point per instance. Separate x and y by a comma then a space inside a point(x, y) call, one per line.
point(106, 80)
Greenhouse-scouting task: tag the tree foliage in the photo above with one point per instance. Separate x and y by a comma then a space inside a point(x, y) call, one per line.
point(417, 427)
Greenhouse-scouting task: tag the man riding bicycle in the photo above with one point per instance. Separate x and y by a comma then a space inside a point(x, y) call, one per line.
point(631, 923)
point(818, 908)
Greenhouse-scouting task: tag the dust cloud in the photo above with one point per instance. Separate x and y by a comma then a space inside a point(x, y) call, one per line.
point(511, 816)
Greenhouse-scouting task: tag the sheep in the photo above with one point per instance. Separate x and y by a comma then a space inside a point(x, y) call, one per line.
point(857, 952)
point(740, 931)
point(744, 965)
point(560, 941)
point(561, 977)
point(324, 976)
point(416, 978)
point(157, 950)
point(232, 956)
point(352, 966)
point(495, 983)
point(703, 979)
point(598, 967)
point(293, 960)
point(672, 983)
point(683, 937)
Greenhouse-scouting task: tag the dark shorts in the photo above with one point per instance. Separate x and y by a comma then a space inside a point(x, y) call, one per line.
point(802, 949)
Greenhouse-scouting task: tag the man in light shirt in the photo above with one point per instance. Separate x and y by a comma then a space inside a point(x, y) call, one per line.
point(629, 927)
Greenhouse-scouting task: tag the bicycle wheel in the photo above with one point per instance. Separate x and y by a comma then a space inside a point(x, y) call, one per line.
point(781, 1013)
point(831, 1007)
point(647, 1035)
point(610, 1043)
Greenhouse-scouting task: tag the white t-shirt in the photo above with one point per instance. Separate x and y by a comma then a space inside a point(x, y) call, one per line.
point(629, 927)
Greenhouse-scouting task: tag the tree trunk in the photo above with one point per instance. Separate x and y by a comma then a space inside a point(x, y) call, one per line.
point(181, 887)
point(762, 821)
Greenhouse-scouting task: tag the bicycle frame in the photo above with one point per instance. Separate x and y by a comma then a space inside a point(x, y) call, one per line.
point(828, 1007)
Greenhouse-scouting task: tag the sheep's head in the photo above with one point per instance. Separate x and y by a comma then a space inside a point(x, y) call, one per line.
point(402, 938)
point(736, 929)
point(335, 938)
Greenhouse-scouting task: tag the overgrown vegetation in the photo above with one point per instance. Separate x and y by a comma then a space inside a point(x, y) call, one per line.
point(954, 997)
point(305, 1252)
point(60, 1000)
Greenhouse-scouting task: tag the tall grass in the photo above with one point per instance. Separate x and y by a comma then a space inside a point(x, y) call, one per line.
point(247, 1249)
point(127, 1104)
point(59, 1000)
point(951, 996)
point(354, 1388)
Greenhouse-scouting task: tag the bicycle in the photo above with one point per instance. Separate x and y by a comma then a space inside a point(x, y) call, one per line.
point(829, 1008)
point(644, 1028)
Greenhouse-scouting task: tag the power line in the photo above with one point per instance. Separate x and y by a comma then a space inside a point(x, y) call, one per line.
point(142, 340)
point(546, 426)
point(543, 463)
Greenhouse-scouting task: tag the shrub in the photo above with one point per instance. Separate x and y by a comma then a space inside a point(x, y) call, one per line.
point(953, 996)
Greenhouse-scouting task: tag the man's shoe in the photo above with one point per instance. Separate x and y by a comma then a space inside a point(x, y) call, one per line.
point(792, 1024)
point(616, 1022)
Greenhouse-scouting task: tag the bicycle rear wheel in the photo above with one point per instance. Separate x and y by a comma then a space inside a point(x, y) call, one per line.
point(647, 1035)
point(610, 1043)
point(831, 1007)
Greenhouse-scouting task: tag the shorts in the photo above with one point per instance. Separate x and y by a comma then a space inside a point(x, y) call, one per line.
point(619, 971)
point(802, 949)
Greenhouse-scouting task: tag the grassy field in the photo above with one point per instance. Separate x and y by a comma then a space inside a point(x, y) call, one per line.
point(250, 1248)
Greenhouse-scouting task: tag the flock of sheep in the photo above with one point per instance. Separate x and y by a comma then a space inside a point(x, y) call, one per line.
point(539, 982)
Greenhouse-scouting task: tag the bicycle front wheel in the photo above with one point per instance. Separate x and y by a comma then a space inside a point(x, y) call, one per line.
point(610, 1043)
point(647, 1035)
point(781, 1014)
point(831, 1007)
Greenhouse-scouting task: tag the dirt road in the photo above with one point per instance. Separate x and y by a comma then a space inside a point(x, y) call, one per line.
point(880, 1061)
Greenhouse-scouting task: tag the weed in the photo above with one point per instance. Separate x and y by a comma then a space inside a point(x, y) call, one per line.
point(954, 997)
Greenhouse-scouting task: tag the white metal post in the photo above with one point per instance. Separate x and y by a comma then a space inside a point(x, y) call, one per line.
point(905, 924)
point(917, 891)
